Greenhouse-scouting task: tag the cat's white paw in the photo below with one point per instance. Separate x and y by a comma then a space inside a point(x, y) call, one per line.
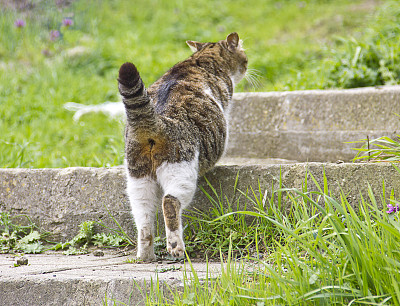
point(146, 256)
point(175, 246)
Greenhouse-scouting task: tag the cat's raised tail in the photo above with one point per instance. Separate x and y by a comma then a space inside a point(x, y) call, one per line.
point(139, 110)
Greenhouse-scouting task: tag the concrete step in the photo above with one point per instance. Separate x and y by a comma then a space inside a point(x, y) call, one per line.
point(60, 199)
point(311, 125)
point(53, 279)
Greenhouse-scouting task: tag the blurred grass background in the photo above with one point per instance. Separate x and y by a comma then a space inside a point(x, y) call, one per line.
point(44, 63)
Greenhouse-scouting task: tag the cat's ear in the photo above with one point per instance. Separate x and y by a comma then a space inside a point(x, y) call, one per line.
point(233, 41)
point(194, 45)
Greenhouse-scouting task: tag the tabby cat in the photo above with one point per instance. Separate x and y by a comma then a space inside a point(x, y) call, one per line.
point(176, 131)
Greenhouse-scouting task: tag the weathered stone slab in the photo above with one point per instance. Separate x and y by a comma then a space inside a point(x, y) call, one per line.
point(55, 279)
point(60, 199)
point(311, 125)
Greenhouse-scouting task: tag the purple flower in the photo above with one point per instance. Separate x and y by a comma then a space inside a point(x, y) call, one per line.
point(46, 52)
point(392, 209)
point(19, 23)
point(67, 22)
point(54, 34)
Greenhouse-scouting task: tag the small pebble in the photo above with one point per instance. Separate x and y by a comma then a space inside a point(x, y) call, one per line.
point(22, 261)
point(98, 253)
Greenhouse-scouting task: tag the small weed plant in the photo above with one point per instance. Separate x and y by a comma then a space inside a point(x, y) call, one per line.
point(382, 149)
point(20, 238)
point(29, 239)
point(86, 237)
point(379, 149)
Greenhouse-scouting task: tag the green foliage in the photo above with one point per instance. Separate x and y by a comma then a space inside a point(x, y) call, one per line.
point(219, 229)
point(81, 240)
point(86, 237)
point(171, 268)
point(369, 57)
point(379, 149)
point(29, 239)
point(109, 240)
point(325, 252)
point(19, 238)
point(76, 251)
point(160, 246)
point(371, 60)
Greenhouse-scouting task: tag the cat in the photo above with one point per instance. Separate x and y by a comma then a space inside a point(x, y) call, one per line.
point(176, 131)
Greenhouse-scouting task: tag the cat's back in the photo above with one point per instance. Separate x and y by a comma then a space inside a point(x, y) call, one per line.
point(198, 83)
point(189, 99)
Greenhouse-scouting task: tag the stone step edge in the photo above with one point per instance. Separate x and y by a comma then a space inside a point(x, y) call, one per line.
point(90, 280)
point(60, 199)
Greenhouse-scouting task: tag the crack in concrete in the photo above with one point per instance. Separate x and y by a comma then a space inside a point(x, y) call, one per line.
point(78, 268)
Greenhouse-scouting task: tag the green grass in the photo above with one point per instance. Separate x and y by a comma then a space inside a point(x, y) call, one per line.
point(322, 252)
point(292, 44)
point(382, 149)
point(208, 233)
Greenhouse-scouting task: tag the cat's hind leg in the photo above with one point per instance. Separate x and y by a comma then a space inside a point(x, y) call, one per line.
point(144, 196)
point(173, 225)
point(178, 181)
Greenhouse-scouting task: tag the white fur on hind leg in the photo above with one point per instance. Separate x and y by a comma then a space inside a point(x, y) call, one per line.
point(144, 196)
point(178, 180)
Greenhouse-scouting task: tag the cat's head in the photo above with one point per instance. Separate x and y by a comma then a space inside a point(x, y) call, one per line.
point(229, 51)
